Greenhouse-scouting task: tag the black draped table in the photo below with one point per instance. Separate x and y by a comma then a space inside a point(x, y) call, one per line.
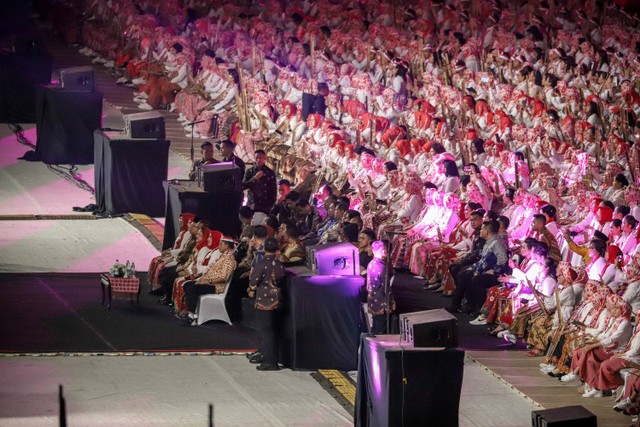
point(129, 174)
point(322, 321)
point(219, 209)
point(402, 385)
point(65, 124)
point(20, 75)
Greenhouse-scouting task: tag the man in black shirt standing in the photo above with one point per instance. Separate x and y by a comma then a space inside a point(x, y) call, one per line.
point(261, 181)
point(226, 150)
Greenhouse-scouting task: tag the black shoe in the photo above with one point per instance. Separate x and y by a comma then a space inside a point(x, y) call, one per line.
point(188, 321)
point(163, 301)
point(250, 355)
point(267, 367)
point(258, 358)
point(156, 292)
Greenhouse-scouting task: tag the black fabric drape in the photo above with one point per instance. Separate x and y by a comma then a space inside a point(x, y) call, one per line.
point(129, 174)
point(324, 322)
point(20, 74)
point(220, 210)
point(407, 386)
point(65, 122)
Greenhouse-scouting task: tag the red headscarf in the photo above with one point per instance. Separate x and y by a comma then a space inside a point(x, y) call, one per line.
point(205, 238)
point(186, 218)
point(612, 252)
point(606, 214)
point(404, 146)
point(215, 239)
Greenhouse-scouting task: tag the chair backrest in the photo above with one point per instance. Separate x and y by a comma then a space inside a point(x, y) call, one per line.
point(226, 287)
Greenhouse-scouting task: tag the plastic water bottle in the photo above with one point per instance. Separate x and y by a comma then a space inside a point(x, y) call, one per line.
point(133, 269)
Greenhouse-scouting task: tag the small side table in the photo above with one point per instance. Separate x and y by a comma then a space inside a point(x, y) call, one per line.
point(128, 287)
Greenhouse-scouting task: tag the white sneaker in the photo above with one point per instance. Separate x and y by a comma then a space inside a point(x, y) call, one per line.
point(145, 106)
point(568, 377)
point(109, 64)
point(594, 392)
point(172, 107)
point(480, 320)
point(545, 369)
point(181, 117)
point(624, 404)
point(510, 337)
point(138, 81)
point(142, 95)
point(121, 80)
point(501, 334)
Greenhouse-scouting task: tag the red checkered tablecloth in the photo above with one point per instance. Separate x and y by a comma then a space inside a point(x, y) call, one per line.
point(121, 284)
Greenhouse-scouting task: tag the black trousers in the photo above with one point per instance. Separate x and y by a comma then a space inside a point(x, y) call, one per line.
point(477, 292)
point(462, 277)
point(379, 324)
point(267, 323)
point(192, 292)
point(166, 277)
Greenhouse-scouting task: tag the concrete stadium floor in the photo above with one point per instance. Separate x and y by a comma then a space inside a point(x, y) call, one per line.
point(176, 390)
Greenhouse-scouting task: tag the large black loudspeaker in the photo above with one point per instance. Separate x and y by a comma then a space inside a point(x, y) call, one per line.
point(431, 328)
point(148, 125)
point(568, 416)
point(405, 386)
point(221, 177)
point(78, 78)
point(340, 259)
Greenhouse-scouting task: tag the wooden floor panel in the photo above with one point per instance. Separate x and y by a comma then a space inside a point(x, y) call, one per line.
point(523, 373)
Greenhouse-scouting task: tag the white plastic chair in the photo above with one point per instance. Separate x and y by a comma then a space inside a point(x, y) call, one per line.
point(211, 307)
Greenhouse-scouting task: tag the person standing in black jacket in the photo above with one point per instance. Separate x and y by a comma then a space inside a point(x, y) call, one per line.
point(261, 181)
point(265, 282)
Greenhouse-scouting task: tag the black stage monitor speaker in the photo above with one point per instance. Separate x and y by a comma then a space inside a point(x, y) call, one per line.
point(148, 125)
point(340, 259)
point(78, 78)
point(568, 416)
point(431, 328)
point(221, 178)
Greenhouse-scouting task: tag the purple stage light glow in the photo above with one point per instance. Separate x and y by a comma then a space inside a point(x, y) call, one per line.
point(375, 374)
point(326, 280)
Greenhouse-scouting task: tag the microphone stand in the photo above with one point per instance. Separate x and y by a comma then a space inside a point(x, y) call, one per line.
point(192, 124)
point(233, 170)
point(387, 284)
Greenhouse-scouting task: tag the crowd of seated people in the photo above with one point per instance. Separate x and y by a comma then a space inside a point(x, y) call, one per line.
point(495, 146)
